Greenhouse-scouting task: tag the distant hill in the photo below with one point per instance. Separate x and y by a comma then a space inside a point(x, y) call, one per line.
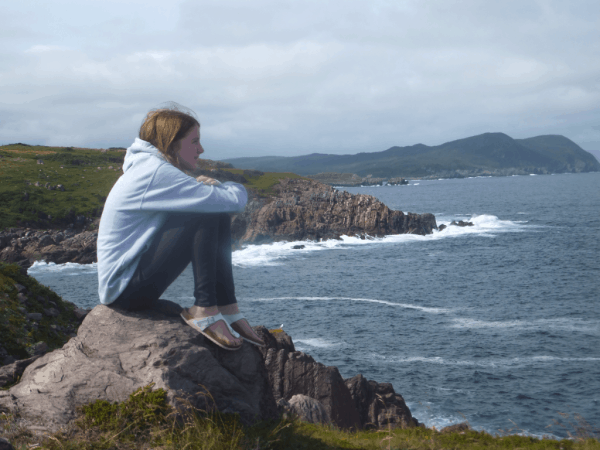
point(596, 153)
point(485, 154)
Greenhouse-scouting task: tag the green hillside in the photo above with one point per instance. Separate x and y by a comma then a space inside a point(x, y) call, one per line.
point(494, 152)
point(87, 176)
point(30, 193)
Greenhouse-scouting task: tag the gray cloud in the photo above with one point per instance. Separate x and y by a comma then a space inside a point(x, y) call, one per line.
point(289, 78)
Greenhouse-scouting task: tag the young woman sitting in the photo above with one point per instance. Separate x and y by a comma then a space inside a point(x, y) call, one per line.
point(157, 219)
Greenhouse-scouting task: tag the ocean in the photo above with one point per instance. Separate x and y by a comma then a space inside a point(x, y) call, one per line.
point(497, 324)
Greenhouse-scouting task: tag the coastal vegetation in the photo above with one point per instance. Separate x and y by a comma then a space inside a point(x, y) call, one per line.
point(145, 420)
point(55, 187)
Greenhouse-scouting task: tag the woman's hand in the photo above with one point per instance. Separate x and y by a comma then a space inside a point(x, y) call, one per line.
point(208, 180)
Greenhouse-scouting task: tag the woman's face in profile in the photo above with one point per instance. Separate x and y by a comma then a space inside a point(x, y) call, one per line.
point(190, 148)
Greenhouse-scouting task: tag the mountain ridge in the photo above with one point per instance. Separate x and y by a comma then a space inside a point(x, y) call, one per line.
point(485, 154)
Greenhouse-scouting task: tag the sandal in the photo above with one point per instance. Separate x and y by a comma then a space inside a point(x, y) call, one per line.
point(232, 319)
point(201, 325)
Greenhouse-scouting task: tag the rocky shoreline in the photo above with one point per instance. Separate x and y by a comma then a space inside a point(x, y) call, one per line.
point(353, 180)
point(115, 352)
point(299, 209)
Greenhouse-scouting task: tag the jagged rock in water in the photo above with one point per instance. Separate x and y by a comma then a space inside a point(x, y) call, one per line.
point(306, 209)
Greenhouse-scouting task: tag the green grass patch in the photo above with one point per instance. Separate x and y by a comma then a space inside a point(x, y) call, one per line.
point(145, 420)
point(263, 184)
point(87, 179)
point(84, 173)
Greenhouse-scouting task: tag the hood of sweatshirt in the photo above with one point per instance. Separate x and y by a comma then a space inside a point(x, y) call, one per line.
point(139, 151)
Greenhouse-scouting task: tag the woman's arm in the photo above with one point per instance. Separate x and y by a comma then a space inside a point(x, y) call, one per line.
point(208, 180)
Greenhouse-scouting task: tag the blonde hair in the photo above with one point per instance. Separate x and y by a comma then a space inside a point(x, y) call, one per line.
point(165, 126)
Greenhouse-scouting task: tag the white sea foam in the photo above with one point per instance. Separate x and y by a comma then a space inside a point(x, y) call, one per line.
point(483, 225)
point(307, 343)
point(556, 324)
point(496, 363)
point(277, 253)
point(429, 415)
point(368, 300)
point(72, 269)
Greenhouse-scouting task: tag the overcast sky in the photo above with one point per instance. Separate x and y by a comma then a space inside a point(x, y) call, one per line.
point(292, 77)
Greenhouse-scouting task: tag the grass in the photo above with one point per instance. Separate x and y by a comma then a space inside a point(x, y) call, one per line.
point(87, 176)
point(145, 420)
point(263, 184)
point(84, 173)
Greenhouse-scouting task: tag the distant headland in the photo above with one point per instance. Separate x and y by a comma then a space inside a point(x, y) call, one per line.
point(491, 154)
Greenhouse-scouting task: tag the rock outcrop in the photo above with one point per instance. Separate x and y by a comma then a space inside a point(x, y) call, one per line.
point(304, 209)
point(116, 352)
point(460, 223)
point(300, 209)
point(378, 404)
point(292, 373)
point(24, 246)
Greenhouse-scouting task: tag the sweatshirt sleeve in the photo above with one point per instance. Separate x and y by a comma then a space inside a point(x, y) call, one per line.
point(169, 189)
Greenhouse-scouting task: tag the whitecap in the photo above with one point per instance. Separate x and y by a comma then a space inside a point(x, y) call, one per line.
point(431, 310)
point(276, 253)
point(555, 324)
point(496, 363)
point(72, 269)
point(314, 343)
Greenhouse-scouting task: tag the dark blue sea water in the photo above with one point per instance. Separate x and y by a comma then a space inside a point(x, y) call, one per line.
point(497, 324)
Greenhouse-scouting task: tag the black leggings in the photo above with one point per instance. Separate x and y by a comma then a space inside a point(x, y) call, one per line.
point(203, 239)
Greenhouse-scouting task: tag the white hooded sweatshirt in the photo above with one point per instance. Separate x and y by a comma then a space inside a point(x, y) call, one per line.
point(138, 205)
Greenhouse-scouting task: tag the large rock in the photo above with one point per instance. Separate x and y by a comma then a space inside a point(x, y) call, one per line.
point(116, 352)
point(306, 209)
